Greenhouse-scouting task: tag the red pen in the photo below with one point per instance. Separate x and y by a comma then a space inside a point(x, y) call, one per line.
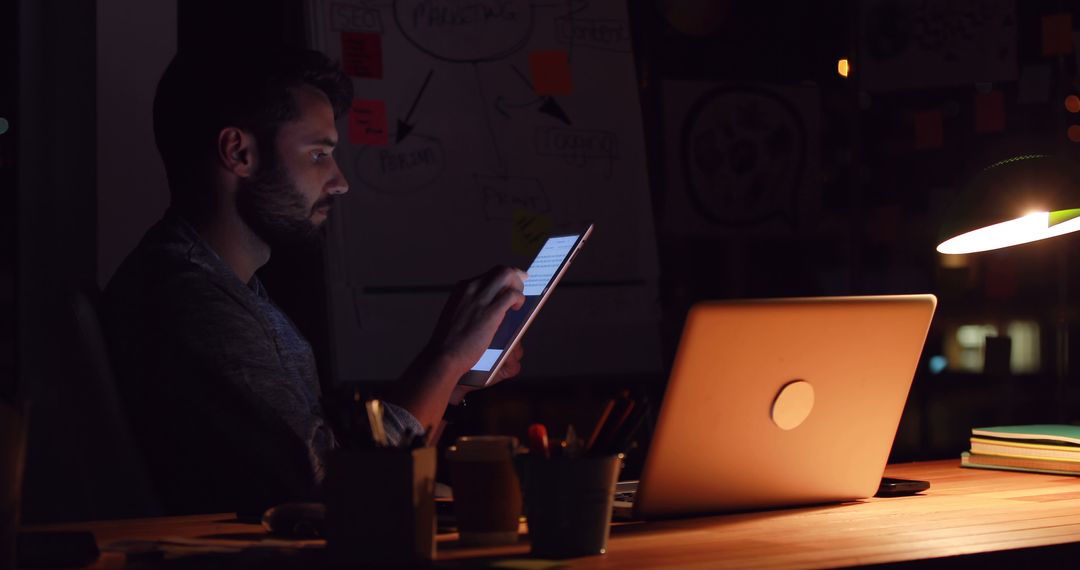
point(538, 440)
point(599, 425)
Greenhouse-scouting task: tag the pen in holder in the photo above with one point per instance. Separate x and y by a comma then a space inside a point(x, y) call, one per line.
point(380, 505)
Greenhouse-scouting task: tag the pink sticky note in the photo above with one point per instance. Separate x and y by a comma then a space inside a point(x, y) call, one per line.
point(929, 131)
point(361, 55)
point(551, 72)
point(367, 122)
point(1057, 34)
point(990, 112)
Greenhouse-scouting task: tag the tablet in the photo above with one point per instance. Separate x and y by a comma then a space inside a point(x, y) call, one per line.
point(544, 273)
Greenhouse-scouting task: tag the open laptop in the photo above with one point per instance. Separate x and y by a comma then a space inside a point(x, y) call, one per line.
point(781, 402)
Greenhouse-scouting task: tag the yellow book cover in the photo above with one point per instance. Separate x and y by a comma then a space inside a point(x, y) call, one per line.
point(1028, 464)
point(1017, 449)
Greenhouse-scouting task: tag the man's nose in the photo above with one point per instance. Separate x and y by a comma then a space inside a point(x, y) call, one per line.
point(338, 184)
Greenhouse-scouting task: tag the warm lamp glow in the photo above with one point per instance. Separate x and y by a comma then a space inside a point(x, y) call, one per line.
point(1029, 228)
point(1072, 104)
point(843, 67)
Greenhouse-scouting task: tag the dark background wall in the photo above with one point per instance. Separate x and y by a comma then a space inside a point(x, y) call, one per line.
point(55, 130)
point(885, 196)
point(8, 216)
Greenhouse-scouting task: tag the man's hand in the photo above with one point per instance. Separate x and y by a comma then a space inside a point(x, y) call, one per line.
point(472, 315)
point(511, 367)
point(464, 331)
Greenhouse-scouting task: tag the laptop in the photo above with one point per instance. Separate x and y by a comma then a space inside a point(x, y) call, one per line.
point(780, 403)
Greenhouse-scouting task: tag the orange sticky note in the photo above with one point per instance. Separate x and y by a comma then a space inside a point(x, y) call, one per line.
point(367, 122)
point(1057, 34)
point(989, 112)
point(551, 72)
point(929, 131)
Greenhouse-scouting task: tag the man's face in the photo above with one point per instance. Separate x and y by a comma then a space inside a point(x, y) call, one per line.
point(291, 193)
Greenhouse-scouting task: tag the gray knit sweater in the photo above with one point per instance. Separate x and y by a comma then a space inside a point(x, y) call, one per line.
point(220, 388)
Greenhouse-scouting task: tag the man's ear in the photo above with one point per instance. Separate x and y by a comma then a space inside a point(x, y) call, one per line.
point(236, 151)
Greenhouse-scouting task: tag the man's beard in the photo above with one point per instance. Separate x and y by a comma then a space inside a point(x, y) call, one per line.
point(276, 211)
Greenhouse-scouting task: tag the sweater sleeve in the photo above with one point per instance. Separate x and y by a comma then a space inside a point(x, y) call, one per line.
point(401, 426)
point(221, 421)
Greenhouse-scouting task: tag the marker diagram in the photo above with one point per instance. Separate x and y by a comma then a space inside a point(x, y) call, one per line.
point(478, 129)
point(470, 115)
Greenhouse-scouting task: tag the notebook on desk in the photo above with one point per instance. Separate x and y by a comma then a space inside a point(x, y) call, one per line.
point(782, 402)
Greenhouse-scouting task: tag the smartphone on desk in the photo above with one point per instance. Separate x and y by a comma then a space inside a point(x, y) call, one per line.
point(544, 273)
point(893, 487)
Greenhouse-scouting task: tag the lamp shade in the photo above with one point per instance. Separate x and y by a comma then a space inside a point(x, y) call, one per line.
point(1018, 200)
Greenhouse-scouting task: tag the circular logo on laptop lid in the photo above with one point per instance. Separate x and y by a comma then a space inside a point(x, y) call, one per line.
point(793, 404)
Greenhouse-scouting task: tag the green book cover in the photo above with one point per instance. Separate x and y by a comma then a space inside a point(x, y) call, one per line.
point(1033, 432)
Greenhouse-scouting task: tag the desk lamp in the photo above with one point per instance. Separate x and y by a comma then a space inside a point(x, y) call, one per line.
point(1019, 200)
point(1016, 201)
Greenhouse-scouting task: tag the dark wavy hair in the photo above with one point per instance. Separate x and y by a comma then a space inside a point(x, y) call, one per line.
point(202, 92)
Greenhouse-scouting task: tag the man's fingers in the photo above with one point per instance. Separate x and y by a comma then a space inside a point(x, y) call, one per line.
point(507, 299)
point(510, 367)
point(500, 279)
point(501, 271)
point(490, 285)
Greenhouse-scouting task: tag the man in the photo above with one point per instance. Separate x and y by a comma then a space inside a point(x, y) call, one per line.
point(221, 388)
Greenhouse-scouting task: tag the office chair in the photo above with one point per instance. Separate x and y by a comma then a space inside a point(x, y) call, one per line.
point(120, 471)
point(82, 459)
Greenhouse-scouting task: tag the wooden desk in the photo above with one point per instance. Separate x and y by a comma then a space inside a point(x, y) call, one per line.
point(995, 514)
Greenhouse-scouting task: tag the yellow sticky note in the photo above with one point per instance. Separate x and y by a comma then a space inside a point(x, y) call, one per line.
point(530, 231)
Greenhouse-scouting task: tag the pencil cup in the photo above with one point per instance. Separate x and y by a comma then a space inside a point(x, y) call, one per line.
point(568, 503)
point(12, 453)
point(487, 496)
point(380, 506)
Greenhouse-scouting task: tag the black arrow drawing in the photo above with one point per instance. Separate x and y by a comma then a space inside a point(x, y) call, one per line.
point(551, 107)
point(403, 126)
point(548, 105)
point(503, 106)
point(487, 119)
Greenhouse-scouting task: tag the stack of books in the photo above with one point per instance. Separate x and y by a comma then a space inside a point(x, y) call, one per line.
point(1042, 448)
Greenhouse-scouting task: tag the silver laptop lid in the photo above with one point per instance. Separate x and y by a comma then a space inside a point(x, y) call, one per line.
point(782, 402)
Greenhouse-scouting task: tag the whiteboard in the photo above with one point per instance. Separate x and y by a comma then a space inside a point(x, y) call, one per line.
point(477, 128)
